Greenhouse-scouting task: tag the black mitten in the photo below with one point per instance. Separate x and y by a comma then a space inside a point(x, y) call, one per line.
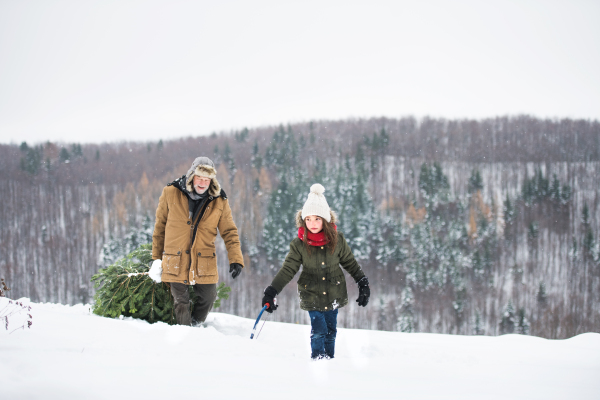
point(269, 297)
point(235, 269)
point(363, 292)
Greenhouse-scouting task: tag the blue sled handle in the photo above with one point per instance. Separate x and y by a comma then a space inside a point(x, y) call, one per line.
point(258, 319)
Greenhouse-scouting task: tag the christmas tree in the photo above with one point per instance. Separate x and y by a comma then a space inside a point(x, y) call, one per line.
point(124, 288)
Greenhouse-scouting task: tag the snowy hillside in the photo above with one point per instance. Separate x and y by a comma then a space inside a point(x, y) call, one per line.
point(70, 353)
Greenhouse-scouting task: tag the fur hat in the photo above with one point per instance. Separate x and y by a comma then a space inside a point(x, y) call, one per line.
point(205, 168)
point(316, 204)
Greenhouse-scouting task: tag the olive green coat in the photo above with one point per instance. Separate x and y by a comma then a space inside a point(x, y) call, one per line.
point(321, 285)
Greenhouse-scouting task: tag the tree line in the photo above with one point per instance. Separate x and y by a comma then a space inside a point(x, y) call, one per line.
point(469, 227)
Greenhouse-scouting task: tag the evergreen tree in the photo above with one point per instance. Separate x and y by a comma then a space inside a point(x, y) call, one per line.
point(477, 324)
point(64, 155)
point(282, 152)
point(477, 264)
point(256, 159)
point(406, 320)
point(475, 181)
point(228, 159)
point(115, 249)
point(555, 193)
point(433, 184)
point(509, 211)
point(523, 323)
point(585, 216)
point(392, 252)
point(573, 252)
point(459, 303)
point(565, 194)
point(539, 188)
point(382, 318)
point(507, 324)
point(360, 211)
point(279, 226)
point(360, 160)
point(541, 296)
point(358, 219)
point(588, 242)
point(76, 150)
point(32, 160)
point(124, 288)
point(242, 136)
point(533, 230)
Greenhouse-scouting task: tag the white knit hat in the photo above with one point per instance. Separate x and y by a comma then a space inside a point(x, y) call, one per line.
point(316, 203)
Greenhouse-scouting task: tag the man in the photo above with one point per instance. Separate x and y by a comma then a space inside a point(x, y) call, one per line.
point(190, 210)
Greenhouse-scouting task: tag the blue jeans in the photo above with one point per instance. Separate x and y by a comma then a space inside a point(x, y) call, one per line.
point(323, 331)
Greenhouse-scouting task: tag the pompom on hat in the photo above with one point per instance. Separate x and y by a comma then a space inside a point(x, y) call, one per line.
point(316, 204)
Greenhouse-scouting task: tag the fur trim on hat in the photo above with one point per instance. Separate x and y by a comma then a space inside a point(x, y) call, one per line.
point(204, 171)
point(334, 219)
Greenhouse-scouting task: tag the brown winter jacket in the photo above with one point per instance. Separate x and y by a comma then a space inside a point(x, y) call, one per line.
point(183, 261)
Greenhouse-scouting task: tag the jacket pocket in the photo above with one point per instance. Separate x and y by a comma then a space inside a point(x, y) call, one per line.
point(171, 262)
point(337, 286)
point(207, 263)
point(308, 290)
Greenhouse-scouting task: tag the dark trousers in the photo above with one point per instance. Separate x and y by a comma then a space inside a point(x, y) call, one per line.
point(181, 297)
point(322, 333)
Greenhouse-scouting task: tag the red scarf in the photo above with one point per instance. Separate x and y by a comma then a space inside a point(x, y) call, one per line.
point(315, 239)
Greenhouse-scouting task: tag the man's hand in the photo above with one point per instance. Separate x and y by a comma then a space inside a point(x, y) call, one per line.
point(235, 269)
point(269, 297)
point(155, 271)
point(363, 292)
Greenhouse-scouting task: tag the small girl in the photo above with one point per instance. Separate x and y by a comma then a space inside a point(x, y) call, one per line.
point(320, 249)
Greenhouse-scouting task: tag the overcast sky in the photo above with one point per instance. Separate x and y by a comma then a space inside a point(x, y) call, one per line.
point(96, 71)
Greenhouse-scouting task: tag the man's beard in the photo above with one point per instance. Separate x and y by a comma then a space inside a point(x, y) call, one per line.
point(197, 189)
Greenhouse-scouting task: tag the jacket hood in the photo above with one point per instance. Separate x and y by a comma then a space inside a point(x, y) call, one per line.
point(214, 189)
point(299, 218)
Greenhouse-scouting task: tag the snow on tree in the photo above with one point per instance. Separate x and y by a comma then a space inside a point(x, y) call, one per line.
point(522, 322)
point(477, 324)
point(433, 184)
point(406, 320)
point(541, 296)
point(280, 226)
point(507, 324)
point(115, 249)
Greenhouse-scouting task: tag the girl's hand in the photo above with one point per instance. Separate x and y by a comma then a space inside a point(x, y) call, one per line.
point(363, 292)
point(269, 298)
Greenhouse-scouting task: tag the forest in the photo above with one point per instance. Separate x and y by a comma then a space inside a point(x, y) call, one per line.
point(471, 227)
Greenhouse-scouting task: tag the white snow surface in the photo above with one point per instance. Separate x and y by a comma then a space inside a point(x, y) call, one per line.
point(70, 353)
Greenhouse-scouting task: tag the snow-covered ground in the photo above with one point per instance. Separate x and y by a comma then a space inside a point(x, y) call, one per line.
point(70, 353)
